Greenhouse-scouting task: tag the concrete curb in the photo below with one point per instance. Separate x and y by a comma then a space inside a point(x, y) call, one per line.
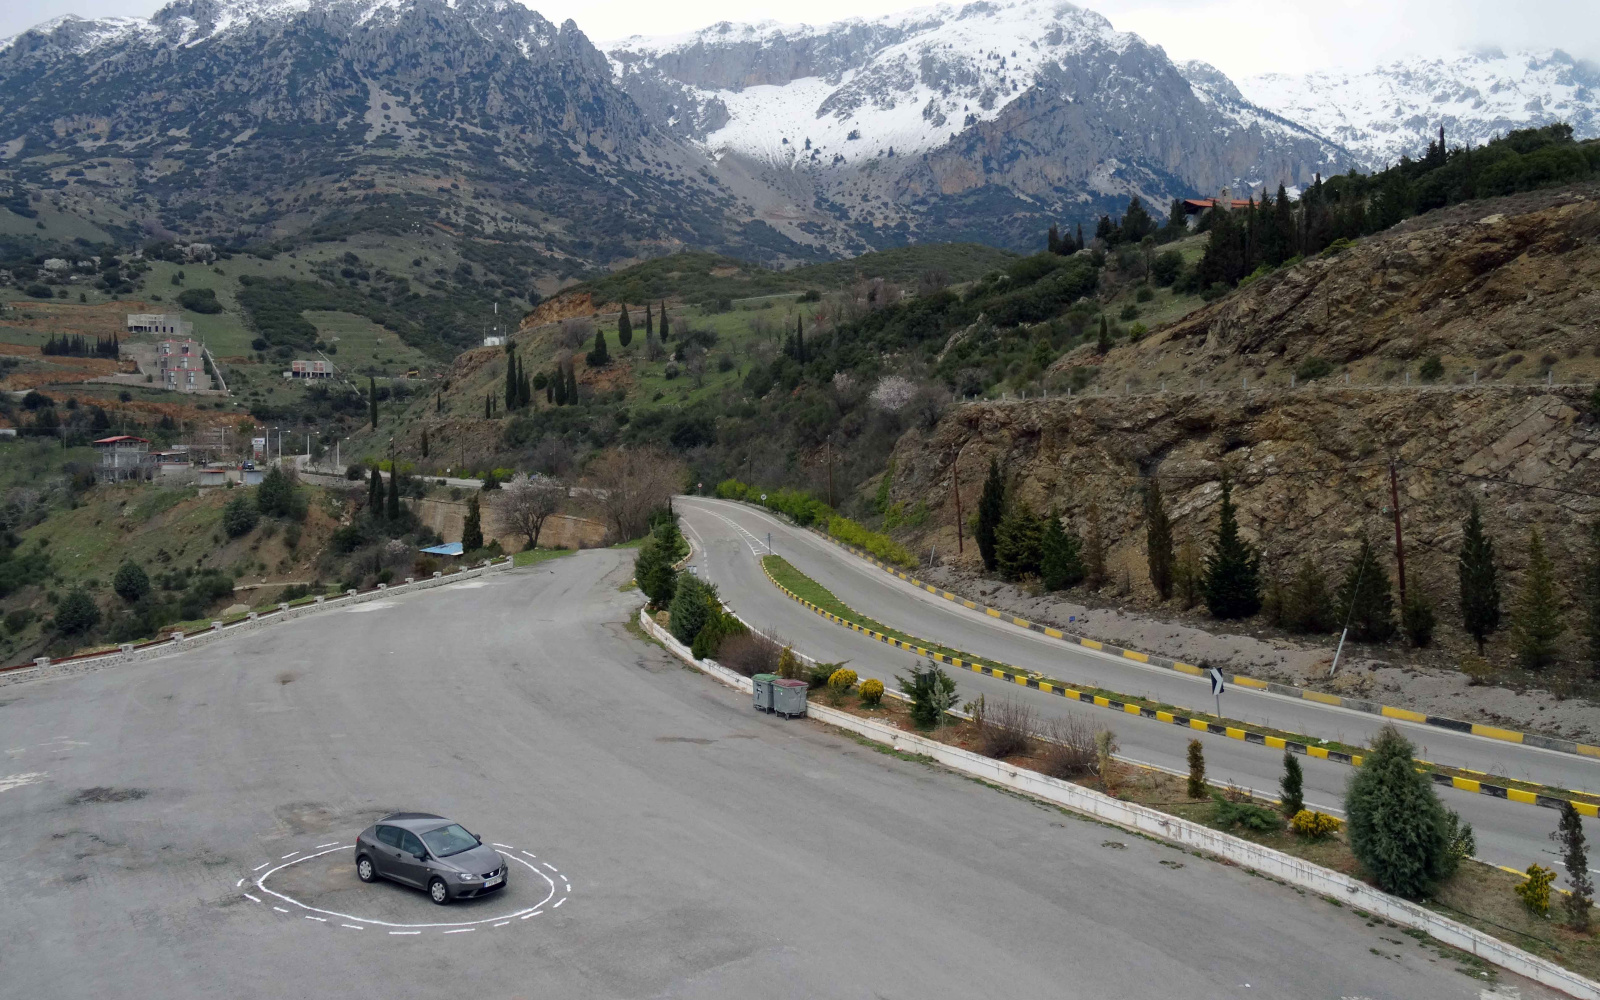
point(69, 666)
point(1137, 818)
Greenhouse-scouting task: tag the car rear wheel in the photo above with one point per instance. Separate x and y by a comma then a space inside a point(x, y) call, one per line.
point(364, 870)
point(438, 891)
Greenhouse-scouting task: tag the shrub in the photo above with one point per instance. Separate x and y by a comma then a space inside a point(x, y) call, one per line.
point(131, 582)
point(1197, 770)
point(871, 692)
point(1067, 750)
point(841, 681)
point(1312, 369)
point(708, 639)
point(1399, 831)
point(932, 693)
point(750, 653)
point(653, 572)
point(77, 613)
point(818, 674)
point(1292, 786)
point(1535, 892)
point(693, 604)
point(880, 545)
point(1105, 753)
point(1243, 812)
point(239, 517)
point(1432, 369)
point(1417, 618)
point(1004, 730)
point(789, 664)
point(200, 300)
point(1313, 825)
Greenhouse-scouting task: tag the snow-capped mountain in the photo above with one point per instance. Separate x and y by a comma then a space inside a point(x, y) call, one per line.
point(963, 116)
point(1384, 113)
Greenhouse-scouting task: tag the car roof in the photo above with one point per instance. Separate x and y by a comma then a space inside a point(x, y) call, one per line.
point(414, 821)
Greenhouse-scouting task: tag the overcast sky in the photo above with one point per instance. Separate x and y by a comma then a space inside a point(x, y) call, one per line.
point(1240, 37)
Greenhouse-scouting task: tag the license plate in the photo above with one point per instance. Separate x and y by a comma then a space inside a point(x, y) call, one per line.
point(493, 881)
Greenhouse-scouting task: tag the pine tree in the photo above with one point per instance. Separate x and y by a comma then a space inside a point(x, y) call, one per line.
point(1398, 829)
point(1060, 565)
point(1094, 549)
point(1575, 856)
point(572, 384)
point(1018, 543)
point(424, 442)
point(1307, 607)
point(1291, 787)
point(1365, 598)
point(1480, 590)
point(375, 494)
point(1591, 598)
point(392, 508)
point(1536, 620)
point(1233, 572)
point(649, 324)
point(1158, 540)
point(991, 507)
point(472, 530)
point(652, 570)
point(1417, 617)
point(624, 327)
point(372, 400)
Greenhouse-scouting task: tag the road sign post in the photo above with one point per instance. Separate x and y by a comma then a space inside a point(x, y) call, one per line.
point(1217, 687)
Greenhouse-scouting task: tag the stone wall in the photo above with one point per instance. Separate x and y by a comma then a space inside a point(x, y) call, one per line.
point(569, 531)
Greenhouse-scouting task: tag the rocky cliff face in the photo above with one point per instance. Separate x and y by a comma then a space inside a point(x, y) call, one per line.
point(990, 119)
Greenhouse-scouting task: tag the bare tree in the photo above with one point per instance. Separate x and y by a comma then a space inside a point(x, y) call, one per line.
point(527, 502)
point(629, 483)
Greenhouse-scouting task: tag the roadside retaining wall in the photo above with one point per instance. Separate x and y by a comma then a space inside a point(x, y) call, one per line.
point(1131, 816)
point(68, 666)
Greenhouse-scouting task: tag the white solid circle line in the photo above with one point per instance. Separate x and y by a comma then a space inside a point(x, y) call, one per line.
point(261, 884)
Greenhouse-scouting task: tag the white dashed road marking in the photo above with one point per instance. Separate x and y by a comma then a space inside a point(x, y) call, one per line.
point(251, 898)
point(405, 932)
point(321, 846)
point(286, 857)
point(354, 927)
point(321, 919)
point(502, 923)
point(280, 909)
point(462, 930)
point(259, 867)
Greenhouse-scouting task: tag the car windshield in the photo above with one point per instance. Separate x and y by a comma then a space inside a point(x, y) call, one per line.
point(448, 840)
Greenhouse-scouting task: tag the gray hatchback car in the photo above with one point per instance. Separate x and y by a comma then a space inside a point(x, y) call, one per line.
point(431, 853)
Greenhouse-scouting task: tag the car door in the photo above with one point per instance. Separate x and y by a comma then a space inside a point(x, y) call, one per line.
point(387, 856)
point(409, 867)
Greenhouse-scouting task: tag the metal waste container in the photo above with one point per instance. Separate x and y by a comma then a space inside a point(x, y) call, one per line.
point(763, 690)
point(789, 698)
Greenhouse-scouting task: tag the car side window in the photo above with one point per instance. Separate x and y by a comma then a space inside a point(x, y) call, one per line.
point(410, 843)
point(389, 835)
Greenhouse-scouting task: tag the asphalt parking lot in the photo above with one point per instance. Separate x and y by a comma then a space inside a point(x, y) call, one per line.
point(670, 842)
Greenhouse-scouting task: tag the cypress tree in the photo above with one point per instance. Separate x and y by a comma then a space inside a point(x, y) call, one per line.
point(1291, 786)
point(559, 383)
point(1307, 606)
point(1060, 566)
point(572, 384)
point(665, 333)
point(1052, 239)
point(1233, 572)
point(524, 389)
point(472, 530)
point(1197, 770)
point(1536, 620)
point(624, 327)
point(1480, 590)
point(438, 402)
point(424, 442)
point(1094, 550)
point(1591, 598)
point(799, 340)
point(372, 399)
point(991, 507)
point(600, 356)
point(1158, 540)
point(1365, 599)
point(375, 493)
point(486, 406)
point(1398, 829)
point(649, 326)
point(1102, 343)
point(1018, 542)
point(550, 393)
point(511, 379)
point(1079, 242)
point(392, 508)
point(1575, 856)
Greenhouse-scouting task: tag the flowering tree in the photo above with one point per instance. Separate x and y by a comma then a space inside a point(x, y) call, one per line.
point(894, 392)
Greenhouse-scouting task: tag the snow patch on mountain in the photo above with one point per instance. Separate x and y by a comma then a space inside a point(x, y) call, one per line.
point(1394, 110)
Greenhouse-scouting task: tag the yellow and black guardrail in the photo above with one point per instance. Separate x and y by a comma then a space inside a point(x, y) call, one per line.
point(1024, 679)
point(1288, 690)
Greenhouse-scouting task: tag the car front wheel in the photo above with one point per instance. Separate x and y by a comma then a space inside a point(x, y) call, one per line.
point(364, 870)
point(439, 892)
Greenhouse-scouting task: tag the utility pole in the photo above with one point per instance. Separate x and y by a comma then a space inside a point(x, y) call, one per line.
point(1399, 544)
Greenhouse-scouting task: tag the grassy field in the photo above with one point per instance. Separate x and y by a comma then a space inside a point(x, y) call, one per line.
point(533, 557)
point(364, 347)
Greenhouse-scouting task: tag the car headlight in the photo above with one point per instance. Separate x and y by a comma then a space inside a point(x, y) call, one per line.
point(465, 877)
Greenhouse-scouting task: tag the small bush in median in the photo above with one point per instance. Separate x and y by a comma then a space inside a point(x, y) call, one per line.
point(1313, 825)
point(1243, 812)
point(841, 681)
point(751, 653)
point(789, 664)
point(1535, 893)
point(932, 693)
point(1004, 729)
point(871, 692)
point(1068, 750)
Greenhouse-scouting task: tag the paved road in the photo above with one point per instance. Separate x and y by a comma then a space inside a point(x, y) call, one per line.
point(712, 853)
point(731, 535)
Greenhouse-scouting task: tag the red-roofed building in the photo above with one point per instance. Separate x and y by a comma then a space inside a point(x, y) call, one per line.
point(124, 457)
point(1194, 206)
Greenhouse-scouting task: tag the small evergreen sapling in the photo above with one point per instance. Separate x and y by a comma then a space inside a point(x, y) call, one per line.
point(1575, 855)
point(1292, 786)
point(1059, 564)
point(1399, 831)
point(1197, 770)
point(1158, 540)
point(991, 507)
point(932, 693)
point(1417, 618)
point(1365, 599)
point(1536, 620)
point(1233, 573)
point(472, 530)
point(1480, 590)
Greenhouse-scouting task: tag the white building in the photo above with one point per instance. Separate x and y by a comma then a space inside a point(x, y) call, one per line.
point(167, 323)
